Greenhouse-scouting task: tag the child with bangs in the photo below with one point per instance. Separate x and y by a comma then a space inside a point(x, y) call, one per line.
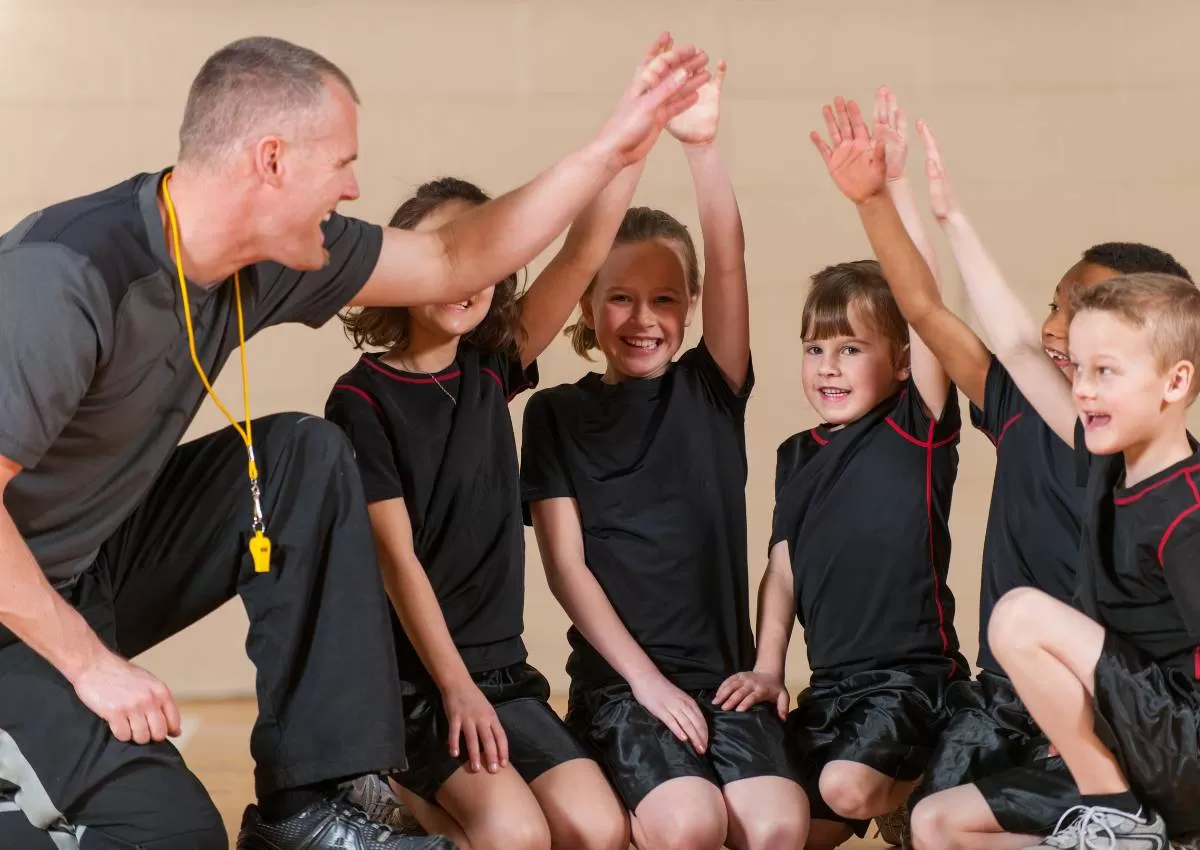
point(860, 545)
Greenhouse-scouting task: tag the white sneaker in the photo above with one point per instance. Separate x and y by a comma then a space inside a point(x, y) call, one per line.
point(373, 795)
point(1100, 828)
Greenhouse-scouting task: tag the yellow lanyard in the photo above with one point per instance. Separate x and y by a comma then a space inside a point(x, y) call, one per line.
point(260, 544)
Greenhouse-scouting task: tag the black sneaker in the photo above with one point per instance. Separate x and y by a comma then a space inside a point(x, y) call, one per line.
point(331, 824)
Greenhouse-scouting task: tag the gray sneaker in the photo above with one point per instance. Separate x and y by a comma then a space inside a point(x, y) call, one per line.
point(1098, 828)
point(373, 795)
point(894, 828)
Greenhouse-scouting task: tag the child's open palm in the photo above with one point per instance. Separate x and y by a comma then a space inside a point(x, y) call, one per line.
point(856, 162)
point(941, 195)
point(698, 125)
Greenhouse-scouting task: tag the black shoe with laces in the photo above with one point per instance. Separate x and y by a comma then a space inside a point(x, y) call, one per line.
point(331, 824)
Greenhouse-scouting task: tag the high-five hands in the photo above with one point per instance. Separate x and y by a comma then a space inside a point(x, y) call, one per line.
point(666, 85)
point(698, 125)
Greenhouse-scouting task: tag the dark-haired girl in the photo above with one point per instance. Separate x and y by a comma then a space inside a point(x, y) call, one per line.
point(635, 480)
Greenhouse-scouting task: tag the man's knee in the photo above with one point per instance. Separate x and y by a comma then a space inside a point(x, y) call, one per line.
point(309, 438)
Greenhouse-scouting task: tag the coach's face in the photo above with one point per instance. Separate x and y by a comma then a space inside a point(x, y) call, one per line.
point(314, 173)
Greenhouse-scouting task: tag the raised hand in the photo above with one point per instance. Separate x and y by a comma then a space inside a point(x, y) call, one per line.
point(892, 127)
point(698, 126)
point(743, 691)
point(473, 720)
point(666, 85)
point(678, 711)
point(941, 195)
point(135, 704)
point(856, 162)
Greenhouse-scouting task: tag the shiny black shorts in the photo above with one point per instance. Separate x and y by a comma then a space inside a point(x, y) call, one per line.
point(888, 720)
point(537, 738)
point(639, 753)
point(991, 740)
point(1150, 717)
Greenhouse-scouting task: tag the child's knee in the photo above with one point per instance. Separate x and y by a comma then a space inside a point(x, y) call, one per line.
point(1015, 618)
point(929, 823)
point(592, 827)
point(849, 794)
point(693, 829)
point(779, 830)
point(512, 833)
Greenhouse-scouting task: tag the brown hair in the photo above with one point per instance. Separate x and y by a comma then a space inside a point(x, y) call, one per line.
point(1168, 306)
point(249, 83)
point(388, 327)
point(642, 224)
point(827, 307)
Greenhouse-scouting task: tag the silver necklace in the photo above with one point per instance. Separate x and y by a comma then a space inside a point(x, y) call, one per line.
point(433, 378)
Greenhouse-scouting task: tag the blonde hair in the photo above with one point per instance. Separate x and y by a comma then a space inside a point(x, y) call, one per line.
point(1165, 305)
point(641, 224)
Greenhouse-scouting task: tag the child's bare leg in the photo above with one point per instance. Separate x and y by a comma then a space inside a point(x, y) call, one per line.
point(1050, 651)
point(961, 819)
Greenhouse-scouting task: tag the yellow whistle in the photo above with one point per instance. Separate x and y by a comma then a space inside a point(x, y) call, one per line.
point(260, 551)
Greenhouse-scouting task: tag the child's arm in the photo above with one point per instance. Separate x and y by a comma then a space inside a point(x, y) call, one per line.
point(556, 291)
point(470, 714)
point(1008, 324)
point(927, 371)
point(560, 540)
point(726, 306)
point(858, 169)
point(776, 616)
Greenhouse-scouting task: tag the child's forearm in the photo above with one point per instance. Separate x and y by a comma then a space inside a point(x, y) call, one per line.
point(414, 600)
point(776, 613)
point(726, 312)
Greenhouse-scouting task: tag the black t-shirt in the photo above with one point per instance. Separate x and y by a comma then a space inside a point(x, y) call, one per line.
point(865, 511)
point(1033, 527)
point(455, 466)
point(1140, 571)
point(658, 470)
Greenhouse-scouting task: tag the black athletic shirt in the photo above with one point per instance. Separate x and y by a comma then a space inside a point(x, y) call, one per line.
point(455, 467)
point(658, 470)
point(1140, 571)
point(1033, 527)
point(864, 510)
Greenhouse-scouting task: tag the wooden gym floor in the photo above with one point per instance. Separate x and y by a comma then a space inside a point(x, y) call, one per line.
point(216, 742)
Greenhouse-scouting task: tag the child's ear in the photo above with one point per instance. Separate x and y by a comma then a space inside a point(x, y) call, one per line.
point(1179, 381)
point(691, 310)
point(904, 364)
point(585, 312)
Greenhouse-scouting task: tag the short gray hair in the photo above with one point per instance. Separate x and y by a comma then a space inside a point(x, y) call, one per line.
point(244, 85)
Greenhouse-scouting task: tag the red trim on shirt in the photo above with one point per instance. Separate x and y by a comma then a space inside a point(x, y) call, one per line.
point(370, 399)
point(495, 378)
point(1125, 500)
point(412, 380)
point(817, 436)
point(1004, 428)
point(937, 584)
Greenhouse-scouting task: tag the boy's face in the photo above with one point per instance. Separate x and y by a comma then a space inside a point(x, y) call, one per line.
point(1121, 391)
point(1054, 329)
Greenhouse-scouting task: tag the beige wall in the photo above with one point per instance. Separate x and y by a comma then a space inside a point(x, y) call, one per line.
point(1063, 124)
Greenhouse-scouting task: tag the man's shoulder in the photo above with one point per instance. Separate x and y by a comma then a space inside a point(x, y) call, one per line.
point(105, 230)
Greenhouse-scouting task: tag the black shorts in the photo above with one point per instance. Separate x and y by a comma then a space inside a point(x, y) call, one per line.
point(1150, 717)
point(888, 720)
point(991, 740)
point(639, 753)
point(537, 738)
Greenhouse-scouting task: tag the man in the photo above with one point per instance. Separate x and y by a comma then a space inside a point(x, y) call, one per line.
point(112, 539)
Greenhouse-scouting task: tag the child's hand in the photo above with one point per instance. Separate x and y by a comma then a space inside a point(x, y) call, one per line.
point(743, 691)
point(856, 162)
point(473, 721)
point(941, 196)
point(677, 711)
point(891, 126)
point(698, 126)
